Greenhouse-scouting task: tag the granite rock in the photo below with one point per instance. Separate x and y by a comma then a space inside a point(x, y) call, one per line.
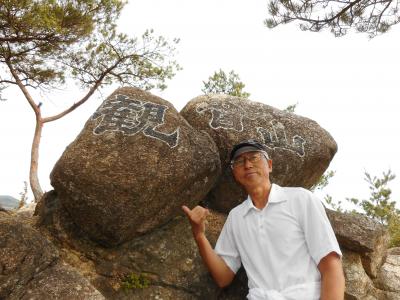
point(301, 150)
point(132, 167)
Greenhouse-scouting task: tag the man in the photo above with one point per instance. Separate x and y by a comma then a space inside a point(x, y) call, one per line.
point(282, 236)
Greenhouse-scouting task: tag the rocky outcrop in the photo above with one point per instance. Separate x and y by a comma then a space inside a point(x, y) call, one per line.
point(112, 228)
point(388, 277)
point(23, 254)
point(300, 149)
point(168, 260)
point(361, 235)
point(132, 167)
point(371, 270)
point(30, 267)
point(358, 284)
point(162, 264)
point(61, 281)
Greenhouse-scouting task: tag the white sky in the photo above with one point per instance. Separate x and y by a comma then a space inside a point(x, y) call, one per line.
point(349, 85)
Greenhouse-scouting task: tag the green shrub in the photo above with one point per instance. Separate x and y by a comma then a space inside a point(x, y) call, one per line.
point(379, 206)
point(135, 281)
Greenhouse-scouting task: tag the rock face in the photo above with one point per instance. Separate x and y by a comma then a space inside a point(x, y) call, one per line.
point(168, 259)
point(361, 235)
point(133, 165)
point(358, 284)
point(301, 150)
point(61, 281)
point(128, 172)
point(389, 274)
point(371, 270)
point(23, 254)
point(30, 267)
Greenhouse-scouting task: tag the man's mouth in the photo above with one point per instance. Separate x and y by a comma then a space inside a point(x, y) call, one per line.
point(249, 174)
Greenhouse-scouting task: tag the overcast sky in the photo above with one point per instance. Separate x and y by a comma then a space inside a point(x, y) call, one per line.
point(349, 85)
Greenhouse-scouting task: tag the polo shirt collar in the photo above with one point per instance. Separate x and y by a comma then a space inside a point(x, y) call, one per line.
point(274, 197)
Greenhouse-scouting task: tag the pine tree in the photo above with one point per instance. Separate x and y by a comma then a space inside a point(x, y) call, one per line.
point(369, 16)
point(221, 83)
point(45, 42)
point(379, 206)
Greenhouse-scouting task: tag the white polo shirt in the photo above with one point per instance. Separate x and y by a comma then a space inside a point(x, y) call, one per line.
point(281, 245)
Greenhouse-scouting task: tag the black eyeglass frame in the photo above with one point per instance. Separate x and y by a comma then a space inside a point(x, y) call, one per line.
point(264, 153)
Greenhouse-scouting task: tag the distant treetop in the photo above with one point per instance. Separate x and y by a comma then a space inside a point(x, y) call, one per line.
point(221, 83)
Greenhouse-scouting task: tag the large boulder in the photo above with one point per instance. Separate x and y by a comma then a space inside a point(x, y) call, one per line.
point(133, 165)
point(362, 235)
point(301, 150)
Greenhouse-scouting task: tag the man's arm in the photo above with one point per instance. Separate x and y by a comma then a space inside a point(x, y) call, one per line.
point(219, 270)
point(332, 278)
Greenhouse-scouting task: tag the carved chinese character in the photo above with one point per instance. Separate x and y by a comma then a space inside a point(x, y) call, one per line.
point(132, 116)
point(226, 115)
point(275, 137)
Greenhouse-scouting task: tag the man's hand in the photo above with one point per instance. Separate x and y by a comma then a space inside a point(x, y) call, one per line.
point(219, 270)
point(197, 218)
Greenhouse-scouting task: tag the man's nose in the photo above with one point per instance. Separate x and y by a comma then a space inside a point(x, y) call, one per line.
point(247, 163)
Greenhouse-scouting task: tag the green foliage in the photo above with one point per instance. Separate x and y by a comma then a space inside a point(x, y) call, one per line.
point(321, 184)
point(323, 180)
point(368, 16)
point(291, 108)
point(394, 230)
point(379, 205)
point(221, 83)
point(43, 42)
point(135, 281)
point(332, 204)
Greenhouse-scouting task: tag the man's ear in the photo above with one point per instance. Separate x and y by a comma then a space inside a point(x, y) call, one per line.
point(270, 164)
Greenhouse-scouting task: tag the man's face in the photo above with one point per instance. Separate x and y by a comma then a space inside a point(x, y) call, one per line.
point(251, 169)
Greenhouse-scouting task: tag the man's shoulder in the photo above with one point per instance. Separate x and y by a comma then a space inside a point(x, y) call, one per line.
point(296, 197)
point(293, 192)
point(239, 209)
point(301, 199)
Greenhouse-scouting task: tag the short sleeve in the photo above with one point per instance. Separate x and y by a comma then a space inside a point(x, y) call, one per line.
point(319, 235)
point(226, 247)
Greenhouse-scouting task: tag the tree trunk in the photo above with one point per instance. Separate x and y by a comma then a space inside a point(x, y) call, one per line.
point(33, 172)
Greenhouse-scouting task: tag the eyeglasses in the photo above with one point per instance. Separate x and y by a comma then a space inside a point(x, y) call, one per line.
point(255, 157)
